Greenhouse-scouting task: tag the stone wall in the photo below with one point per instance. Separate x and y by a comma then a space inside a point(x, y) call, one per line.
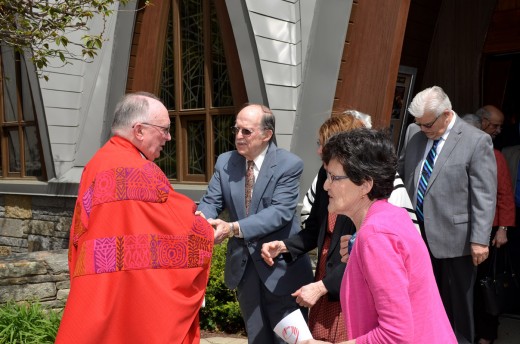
point(34, 232)
point(34, 223)
point(38, 275)
point(34, 236)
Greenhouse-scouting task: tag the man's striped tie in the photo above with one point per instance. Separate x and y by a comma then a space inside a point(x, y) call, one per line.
point(425, 176)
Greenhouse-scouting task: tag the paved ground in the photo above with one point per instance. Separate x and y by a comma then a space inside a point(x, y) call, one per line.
point(508, 333)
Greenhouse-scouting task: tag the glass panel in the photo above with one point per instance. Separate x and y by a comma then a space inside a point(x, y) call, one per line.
point(168, 159)
point(13, 147)
point(221, 94)
point(168, 73)
point(192, 54)
point(10, 89)
point(33, 165)
point(27, 101)
point(224, 138)
point(196, 147)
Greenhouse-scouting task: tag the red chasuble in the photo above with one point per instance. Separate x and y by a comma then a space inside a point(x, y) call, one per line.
point(139, 258)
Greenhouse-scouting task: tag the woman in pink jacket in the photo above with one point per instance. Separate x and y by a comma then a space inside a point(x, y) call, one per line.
point(388, 293)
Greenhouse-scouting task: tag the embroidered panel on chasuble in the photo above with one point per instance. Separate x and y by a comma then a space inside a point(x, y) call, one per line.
point(134, 252)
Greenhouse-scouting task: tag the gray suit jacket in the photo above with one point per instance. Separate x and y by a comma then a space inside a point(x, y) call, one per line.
point(459, 203)
point(272, 216)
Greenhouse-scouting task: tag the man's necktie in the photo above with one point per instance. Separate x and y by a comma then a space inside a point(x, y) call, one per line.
point(425, 176)
point(250, 181)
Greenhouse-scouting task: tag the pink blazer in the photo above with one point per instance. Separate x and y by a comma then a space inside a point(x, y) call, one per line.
point(388, 293)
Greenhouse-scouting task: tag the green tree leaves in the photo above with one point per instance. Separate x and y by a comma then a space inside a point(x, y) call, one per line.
point(46, 28)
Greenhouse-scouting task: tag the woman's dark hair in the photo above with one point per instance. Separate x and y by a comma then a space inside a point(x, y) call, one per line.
point(365, 154)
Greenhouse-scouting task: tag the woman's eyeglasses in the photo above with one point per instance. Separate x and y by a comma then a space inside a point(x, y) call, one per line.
point(332, 178)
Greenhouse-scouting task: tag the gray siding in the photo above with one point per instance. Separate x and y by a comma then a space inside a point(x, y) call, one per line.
point(323, 59)
point(74, 100)
point(276, 28)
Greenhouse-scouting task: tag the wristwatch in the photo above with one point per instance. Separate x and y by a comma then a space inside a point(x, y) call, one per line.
point(502, 227)
point(231, 230)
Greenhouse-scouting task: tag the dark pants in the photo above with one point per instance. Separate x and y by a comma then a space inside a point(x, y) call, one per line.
point(261, 309)
point(455, 279)
point(486, 325)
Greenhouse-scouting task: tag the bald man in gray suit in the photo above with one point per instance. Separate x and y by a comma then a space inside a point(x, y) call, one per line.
point(456, 201)
point(263, 291)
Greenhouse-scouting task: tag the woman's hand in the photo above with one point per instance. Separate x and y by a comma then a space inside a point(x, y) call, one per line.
point(309, 294)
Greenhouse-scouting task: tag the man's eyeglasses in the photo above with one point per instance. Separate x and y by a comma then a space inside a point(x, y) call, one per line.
point(332, 178)
point(164, 130)
point(245, 132)
point(428, 125)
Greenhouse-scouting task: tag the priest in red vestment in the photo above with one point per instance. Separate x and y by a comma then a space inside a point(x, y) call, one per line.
point(139, 257)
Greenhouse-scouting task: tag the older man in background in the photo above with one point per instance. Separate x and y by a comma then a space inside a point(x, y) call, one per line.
point(449, 172)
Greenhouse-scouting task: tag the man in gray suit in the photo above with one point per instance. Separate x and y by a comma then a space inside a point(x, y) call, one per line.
point(264, 292)
point(449, 171)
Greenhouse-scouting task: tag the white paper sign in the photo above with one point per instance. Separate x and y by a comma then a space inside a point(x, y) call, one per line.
point(293, 328)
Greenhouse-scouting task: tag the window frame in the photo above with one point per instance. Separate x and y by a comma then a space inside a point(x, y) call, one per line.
point(145, 72)
point(20, 124)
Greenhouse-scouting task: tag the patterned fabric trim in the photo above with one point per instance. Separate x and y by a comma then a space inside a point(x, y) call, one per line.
point(146, 251)
point(147, 183)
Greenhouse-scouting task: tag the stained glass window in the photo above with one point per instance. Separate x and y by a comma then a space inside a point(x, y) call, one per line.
point(195, 87)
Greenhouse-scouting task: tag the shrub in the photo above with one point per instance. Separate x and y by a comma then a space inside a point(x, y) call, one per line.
point(28, 322)
point(221, 312)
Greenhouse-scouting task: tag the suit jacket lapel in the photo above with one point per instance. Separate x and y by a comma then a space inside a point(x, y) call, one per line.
point(447, 149)
point(336, 234)
point(237, 182)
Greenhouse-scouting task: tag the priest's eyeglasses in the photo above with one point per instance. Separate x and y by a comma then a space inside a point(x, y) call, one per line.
point(164, 130)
